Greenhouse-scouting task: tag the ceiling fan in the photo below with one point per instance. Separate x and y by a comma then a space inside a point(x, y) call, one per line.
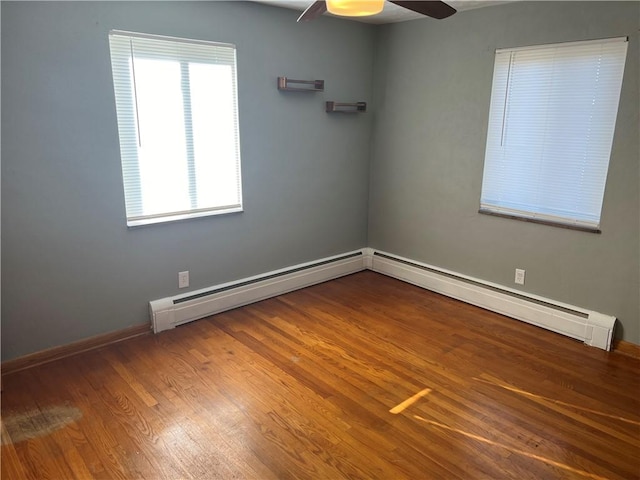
point(434, 9)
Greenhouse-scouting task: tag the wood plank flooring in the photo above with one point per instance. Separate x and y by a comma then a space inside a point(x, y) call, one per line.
point(361, 377)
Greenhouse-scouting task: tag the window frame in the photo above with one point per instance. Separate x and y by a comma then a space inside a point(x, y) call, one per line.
point(499, 110)
point(126, 101)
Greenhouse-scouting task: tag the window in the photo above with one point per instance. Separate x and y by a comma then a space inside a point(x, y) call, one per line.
point(177, 113)
point(551, 123)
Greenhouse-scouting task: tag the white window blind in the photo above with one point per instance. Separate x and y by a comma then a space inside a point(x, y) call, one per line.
point(551, 124)
point(176, 103)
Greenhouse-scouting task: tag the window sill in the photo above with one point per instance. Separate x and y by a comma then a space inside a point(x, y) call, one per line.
point(581, 228)
point(133, 223)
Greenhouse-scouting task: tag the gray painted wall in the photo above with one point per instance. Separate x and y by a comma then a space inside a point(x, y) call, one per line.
point(432, 92)
point(71, 269)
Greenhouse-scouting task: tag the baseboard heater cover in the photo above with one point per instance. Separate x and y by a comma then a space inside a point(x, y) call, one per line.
point(593, 328)
point(167, 313)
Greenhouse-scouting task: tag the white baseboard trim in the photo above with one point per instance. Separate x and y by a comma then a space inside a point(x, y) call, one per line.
point(167, 313)
point(593, 328)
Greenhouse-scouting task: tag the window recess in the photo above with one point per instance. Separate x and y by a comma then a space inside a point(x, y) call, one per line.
point(551, 124)
point(177, 109)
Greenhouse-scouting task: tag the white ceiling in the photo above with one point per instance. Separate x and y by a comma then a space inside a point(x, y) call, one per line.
point(391, 13)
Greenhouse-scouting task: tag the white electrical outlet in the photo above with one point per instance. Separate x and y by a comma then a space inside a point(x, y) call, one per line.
point(519, 276)
point(183, 279)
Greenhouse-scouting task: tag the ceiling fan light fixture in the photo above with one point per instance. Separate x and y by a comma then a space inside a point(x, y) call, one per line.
point(355, 8)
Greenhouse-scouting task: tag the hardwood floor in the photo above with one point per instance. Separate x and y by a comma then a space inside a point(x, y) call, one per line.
point(361, 377)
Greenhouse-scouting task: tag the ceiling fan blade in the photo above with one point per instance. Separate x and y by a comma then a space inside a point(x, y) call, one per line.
point(313, 11)
point(437, 10)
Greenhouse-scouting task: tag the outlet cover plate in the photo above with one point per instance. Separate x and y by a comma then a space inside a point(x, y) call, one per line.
point(183, 279)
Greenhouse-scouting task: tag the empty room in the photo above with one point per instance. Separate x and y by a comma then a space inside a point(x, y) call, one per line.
point(320, 239)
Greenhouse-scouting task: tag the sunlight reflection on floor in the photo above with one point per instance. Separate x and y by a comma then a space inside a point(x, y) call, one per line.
point(511, 449)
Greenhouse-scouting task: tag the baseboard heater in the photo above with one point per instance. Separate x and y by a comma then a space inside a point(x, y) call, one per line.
point(593, 328)
point(167, 313)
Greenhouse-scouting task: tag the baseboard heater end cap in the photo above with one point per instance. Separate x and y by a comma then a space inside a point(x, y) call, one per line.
point(600, 330)
point(162, 314)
